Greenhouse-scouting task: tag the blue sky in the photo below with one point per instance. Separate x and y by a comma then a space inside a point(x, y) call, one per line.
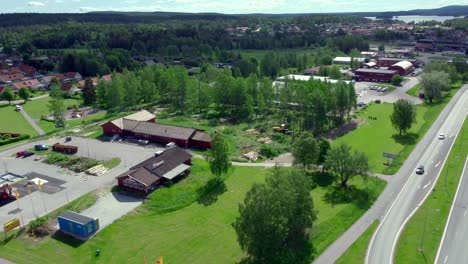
point(221, 6)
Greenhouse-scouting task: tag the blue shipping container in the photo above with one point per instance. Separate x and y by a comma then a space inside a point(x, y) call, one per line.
point(77, 225)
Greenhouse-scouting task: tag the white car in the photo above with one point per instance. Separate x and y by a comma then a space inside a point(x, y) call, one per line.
point(441, 136)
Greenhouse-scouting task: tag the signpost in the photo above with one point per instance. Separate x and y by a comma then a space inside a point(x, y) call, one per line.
point(8, 226)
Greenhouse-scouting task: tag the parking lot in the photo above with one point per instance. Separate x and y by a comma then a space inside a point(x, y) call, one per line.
point(62, 185)
point(369, 91)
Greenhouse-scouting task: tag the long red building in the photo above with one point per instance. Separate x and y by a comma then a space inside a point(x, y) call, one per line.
point(374, 75)
point(142, 126)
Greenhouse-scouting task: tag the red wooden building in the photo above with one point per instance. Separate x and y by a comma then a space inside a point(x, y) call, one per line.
point(387, 62)
point(374, 75)
point(169, 165)
point(403, 68)
point(141, 126)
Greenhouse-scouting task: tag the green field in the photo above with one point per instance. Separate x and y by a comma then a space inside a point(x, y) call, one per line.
point(427, 226)
point(377, 136)
point(356, 254)
point(415, 90)
point(14, 122)
point(38, 108)
point(198, 233)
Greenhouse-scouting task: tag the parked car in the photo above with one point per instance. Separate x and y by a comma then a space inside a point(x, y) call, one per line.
point(170, 145)
point(384, 89)
point(441, 136)
point(24, 154)
point(18, 108)
point(420, 170)
point(361, 104)
point(142, 142)
point(114, 138)
point(68, 139)
point(379, 89)
point(378, 101)
point(41, 147)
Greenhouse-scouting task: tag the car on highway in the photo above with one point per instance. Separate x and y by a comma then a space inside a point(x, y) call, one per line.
point(441, 136)
point(420, 170)
point(41, 147)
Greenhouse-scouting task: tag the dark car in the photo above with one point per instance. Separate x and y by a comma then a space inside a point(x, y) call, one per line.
point(41, 147)
point(24, 154)
point(420, 170)
point(68, 139)
point(142, 142)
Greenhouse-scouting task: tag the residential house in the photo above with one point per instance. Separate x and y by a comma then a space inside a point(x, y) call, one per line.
point(32, 85)
point(67, 87)
point(9, 78)
point(311, 71)
point(107, 77)
point(168, 165)
point(81, 84)
point(69, 77)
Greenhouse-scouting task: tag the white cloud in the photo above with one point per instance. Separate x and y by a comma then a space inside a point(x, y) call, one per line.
point(36, 4)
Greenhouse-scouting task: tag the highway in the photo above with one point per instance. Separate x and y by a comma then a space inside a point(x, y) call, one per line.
point(453, 246)
point(430, 152)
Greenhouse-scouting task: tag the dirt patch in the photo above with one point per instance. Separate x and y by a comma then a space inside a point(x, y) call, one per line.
point(344, 129)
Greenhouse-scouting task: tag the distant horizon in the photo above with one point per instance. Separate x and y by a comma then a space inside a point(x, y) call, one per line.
point(240, 7)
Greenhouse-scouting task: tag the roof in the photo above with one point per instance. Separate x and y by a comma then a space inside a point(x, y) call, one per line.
point(175, 132)
point(75, 217)
point(371, 64)
point(375, 71)
point(403, 64)
point(107, 77)
point(347, 59)
point(294, 77)
point(201, 136)
point(142, 115)
point(176, 171)
point(311, 70)
point(168, 164)
point(11, 77)
point(29, 83)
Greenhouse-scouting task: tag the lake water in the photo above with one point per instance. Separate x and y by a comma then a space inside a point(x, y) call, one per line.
point(418, 19)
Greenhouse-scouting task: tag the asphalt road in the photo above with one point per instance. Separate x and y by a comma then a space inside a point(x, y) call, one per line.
point(394, 186)
point(417, 187)
point(453, 246)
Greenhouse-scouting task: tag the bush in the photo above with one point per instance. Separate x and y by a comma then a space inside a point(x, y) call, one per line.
point(280, 138)
point(269, 151)
point(212, 114)
point(13, 139)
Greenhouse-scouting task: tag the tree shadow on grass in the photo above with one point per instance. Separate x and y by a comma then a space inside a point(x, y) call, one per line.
point(211, 191)
point(67, 239)
point(351, 194)
point(321, 179)
point(407, 139)
point(301, 252)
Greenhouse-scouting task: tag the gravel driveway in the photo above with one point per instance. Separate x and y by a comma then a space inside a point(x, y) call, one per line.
point(367, 95)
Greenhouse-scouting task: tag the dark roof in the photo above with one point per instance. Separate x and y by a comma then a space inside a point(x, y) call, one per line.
point(165, 162)
point(75, 217)
point(202, 136)
point(166, 131)
point(374, 71)
point(142, 175)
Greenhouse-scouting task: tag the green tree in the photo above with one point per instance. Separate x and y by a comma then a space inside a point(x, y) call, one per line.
point(324, 147)
point(24, 93)
point(397, 79)
point(382, 47)
point(275, 218)
point(305, 150)
point(345, 163)
point(403, 116)
point(334, 72)
point(8, 95)
point(57, 106)
point(89, 92)
point(218, 156)
point(433, 84)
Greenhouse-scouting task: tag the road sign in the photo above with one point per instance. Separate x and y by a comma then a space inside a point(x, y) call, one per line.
point(388, 155)
point(11, 225)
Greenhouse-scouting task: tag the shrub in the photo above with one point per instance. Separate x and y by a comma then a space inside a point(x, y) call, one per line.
point(212, 114)
point(13, 139)
point(269, 151)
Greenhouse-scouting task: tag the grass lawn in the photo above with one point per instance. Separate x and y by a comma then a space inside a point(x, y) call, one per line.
point(38, 108)
point(356, 254)
point(377, 136)
point(14, 122)
point(415, 90)
point(433, 214)
point(200, 232)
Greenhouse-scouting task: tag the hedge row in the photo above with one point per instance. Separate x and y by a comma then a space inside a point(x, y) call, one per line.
point(13, 139)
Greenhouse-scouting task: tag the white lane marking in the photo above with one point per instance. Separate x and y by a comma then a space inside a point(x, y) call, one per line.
point(464, 213)
point(419, 186)
point(438, 163)
point(425, 186)
point(446, 257)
